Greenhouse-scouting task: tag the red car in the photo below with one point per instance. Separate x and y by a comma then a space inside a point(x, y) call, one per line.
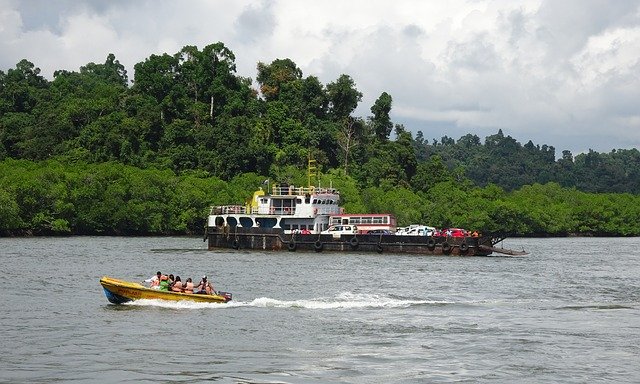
point(455, 232)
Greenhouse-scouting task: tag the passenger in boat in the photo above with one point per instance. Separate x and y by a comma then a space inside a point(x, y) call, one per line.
point(164, 283)
point(188, 286)
point(177, 285)
point(154, 280)
point(171, 280)
point(204, 287)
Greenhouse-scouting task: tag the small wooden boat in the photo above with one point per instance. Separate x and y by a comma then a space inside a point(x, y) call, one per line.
point(120, 291)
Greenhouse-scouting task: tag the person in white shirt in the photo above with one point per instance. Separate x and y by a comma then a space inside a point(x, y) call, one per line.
point(154, 280)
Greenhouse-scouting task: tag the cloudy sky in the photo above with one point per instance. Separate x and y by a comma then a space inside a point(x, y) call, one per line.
point(565, 73)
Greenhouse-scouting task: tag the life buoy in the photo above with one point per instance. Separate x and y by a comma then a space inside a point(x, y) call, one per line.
point(235, 244)
point(292, 246)
point(354, 242)
point(431, 243)
point(446, 247)
point(317, 246)
point(464, 247)
point(379, 248)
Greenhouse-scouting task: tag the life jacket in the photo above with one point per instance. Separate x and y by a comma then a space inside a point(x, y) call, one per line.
point(155, 282)
point(177, 286)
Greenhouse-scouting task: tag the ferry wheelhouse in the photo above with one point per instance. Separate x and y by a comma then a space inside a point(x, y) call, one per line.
point(287, 208)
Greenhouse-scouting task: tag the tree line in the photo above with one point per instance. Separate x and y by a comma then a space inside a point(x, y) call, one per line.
point(54, 197)
point(187, 127)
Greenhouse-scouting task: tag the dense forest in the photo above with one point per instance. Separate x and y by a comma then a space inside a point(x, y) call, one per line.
point(94, 152)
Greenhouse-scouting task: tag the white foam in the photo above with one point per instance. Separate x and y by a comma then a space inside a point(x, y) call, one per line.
point(175, 304)
point(344, 300)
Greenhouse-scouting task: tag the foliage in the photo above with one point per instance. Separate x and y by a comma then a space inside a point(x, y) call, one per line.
point(52, 197)
point(90, 152)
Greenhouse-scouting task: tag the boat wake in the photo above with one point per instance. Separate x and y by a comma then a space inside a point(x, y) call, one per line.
point(345, 300)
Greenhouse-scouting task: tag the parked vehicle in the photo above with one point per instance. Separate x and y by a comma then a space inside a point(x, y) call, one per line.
point(341, 230)
point(416, 230)
point(454, 232)
point(380, 232)
point(366, 222)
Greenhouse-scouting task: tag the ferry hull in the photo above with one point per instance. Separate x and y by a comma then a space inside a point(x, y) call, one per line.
point(275, 240)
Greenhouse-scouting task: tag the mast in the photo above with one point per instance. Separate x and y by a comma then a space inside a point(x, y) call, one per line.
point(312, 170)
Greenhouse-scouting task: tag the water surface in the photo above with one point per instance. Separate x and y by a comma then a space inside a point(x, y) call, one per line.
point(567, 313)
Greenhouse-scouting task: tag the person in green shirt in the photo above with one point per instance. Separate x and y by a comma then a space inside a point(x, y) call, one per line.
point(165, 284)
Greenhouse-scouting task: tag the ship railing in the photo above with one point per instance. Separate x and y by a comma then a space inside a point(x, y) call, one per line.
point(228, 209)
point(281, 211)
point(290, 190)
point(329, 210)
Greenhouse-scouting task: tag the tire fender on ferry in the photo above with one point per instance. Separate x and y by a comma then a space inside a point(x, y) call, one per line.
point(354, 242)
point(379, 248)
point(464, 247)
point(446, 247)
point(235, 244)
point(431, 243)
point(317, 246)
point(292, 246)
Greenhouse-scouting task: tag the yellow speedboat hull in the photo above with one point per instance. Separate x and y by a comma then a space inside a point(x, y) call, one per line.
point(120, 291)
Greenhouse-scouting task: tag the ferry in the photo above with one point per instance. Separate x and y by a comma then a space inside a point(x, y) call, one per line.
point(294, 219)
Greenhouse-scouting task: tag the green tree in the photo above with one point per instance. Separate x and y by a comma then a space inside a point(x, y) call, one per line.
point(381, 120)
point(273, 76)
point(343, 97)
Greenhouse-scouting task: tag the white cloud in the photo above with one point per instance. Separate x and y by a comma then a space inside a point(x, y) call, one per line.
point(561, 73)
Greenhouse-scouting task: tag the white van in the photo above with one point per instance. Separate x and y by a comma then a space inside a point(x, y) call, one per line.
point(416, 230)
point(338, 230)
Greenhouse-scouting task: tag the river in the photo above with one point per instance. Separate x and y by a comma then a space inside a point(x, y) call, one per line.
point(569, 312)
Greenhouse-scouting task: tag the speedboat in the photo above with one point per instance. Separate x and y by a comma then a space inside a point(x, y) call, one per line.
point(120, 291)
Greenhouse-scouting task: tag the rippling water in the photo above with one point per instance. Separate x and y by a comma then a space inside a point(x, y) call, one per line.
point(567, 313)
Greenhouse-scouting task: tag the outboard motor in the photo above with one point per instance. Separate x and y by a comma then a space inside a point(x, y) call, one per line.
point(226, 295)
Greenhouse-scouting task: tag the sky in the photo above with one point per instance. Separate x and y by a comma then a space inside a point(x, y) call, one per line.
point(565, 73)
